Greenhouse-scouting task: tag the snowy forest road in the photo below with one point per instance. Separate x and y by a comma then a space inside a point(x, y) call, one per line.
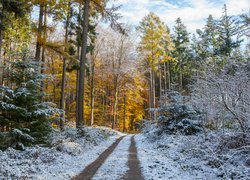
point(119, 161)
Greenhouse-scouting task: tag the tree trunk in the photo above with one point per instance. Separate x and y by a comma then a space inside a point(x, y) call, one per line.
point(3, 72)
point(115, 107)
point(8, 81)
point(149, 98)
point(1, 41)
point(132, 123)
point(44, 39)
point(80, 100)
point(151, 102)
point(77, 87)
point(1, 35)
point(54, 84)
point(42, 64)
point(160, 83)
point(92, 89)
point(154, 100)
point(165, 77)
point(77, 71)
point(39, 32)
point(181, 77)
point(62, 100)
point(124, 114)
point(116, 75)
point(169, 75)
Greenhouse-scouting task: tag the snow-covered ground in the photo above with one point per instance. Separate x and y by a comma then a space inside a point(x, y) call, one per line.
point(116, 165)
point(68, 156)
point(192, 157)
point(219, 155)
point(156, 164)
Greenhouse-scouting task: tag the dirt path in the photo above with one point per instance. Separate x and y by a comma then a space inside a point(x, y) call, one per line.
point(91, 169)
point(116, 165)
point(134, 172)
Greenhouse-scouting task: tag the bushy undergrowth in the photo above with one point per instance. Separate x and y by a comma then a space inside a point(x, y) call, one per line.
point(177, 116)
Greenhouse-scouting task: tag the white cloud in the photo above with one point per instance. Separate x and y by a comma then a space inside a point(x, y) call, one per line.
point(192, 12)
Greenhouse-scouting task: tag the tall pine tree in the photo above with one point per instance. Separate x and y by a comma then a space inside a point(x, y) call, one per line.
point(181, 52)
point(228, 30)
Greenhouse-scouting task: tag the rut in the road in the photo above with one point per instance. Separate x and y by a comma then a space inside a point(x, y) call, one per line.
point(134, 172)
point(91, 169)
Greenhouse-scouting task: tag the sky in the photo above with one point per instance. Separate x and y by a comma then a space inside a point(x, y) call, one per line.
point(192, 12)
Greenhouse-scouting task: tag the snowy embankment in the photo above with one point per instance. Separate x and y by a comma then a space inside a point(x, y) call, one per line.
point(68, 156)
point(156, 164)
point(193, 157)
point(115, 166)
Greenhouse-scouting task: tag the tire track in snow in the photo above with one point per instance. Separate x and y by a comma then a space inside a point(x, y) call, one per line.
point(116, 165)
point(92, 168)
point(134, 172)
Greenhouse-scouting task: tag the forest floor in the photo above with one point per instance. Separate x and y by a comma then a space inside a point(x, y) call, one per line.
point(104, 154)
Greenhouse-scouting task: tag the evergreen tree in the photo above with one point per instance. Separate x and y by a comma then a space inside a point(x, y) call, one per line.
point(207, 43)
point(20, 104)
point(210, 35)
point(244, 24)
point(228, 29)
point(177, 116)
point(182, 51)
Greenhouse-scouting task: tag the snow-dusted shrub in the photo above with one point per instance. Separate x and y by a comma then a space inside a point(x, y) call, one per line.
point(93, 135)
point(178, 116)
point(223, 94)
point(234, 141)
point(70, 148)
point(148, 126)
point(18, 138)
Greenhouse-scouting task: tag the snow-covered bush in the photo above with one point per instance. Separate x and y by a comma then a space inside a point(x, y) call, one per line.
point(178, 116)
point(70, 148)
point(223, 95)
point(24, 117)
point(234, 141)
